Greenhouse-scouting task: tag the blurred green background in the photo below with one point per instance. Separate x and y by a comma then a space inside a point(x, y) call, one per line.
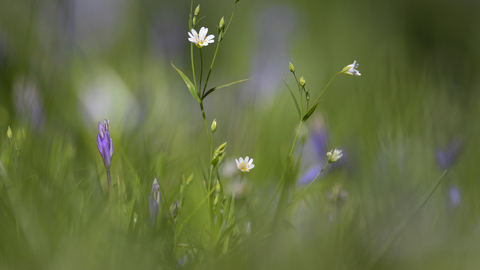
point(67, 64)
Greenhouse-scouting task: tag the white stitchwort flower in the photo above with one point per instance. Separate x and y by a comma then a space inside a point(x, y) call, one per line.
point(200, 39)
point(334, 155)
point(352, 69)
point(245, 165)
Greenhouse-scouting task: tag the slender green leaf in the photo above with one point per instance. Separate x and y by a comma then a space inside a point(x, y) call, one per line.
point(309, 113)
point(294, 99)
point(230, 221)
point(389, 242)
point(190, 85)
point(222, 86)
point(132, 201)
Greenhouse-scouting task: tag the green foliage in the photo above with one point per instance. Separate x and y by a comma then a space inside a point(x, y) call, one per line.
point(380, 207)
point(190, 85)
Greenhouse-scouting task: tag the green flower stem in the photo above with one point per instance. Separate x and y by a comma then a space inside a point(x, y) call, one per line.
point(275, 193)
point(296, 137)
point(315, 179)
point(281, 179)
point(301, 98)
point(216, 51)
point(108, 181)
point(193, 212)
point(295, 141)
point(193, 66)
point(231, 18)
point(206, 128)
point(201, 70)
point(209, 201)
point(326, 87)
point(210, 158)
point(210, 71)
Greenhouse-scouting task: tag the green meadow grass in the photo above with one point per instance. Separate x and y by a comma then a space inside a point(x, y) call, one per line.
point(55, 209)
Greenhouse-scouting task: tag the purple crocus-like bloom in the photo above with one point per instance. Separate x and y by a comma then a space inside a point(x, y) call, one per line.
point(104, 143)
point(447, 156)
point(154, 200)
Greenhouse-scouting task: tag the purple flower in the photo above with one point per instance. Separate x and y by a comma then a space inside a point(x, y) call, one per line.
point(308, 177)
point(318, 145)
point(182, 261)
point(104, 143)
point(154, 200)
point(455, 198)
point(319, 139)
point(447, 156)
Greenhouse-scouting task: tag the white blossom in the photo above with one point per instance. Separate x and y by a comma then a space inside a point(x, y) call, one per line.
point(200, 39)
point(334, 155)
point(352, 69)
point(245, 165)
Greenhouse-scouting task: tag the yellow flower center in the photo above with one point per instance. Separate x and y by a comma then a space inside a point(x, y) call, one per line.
point(243, 167)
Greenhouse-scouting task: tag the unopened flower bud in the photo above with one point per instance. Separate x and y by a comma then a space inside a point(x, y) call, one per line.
point(154, 201)
point(197, 11)
point(190, 180)
point(302, 81)
point(174, 210)
point(307, 95)
point(9, 133)
point(221, 148)
point(221, 25)
point(104, 143)
point(217, 187)
point(291, 67)
point(218, 153)
point(214, 125)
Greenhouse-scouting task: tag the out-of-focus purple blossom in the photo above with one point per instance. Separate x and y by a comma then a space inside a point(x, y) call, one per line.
point(90, 25)
point(311, 173)
point(316, 150)
point(154, 200)
point(448, 155)
point(319, 138)
point(167, 33)
point(455, 198)
point(28, 102)
point(317, 144)
point(182, 261)
point(104, 143)
point(98, 23)
point(274, 35)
